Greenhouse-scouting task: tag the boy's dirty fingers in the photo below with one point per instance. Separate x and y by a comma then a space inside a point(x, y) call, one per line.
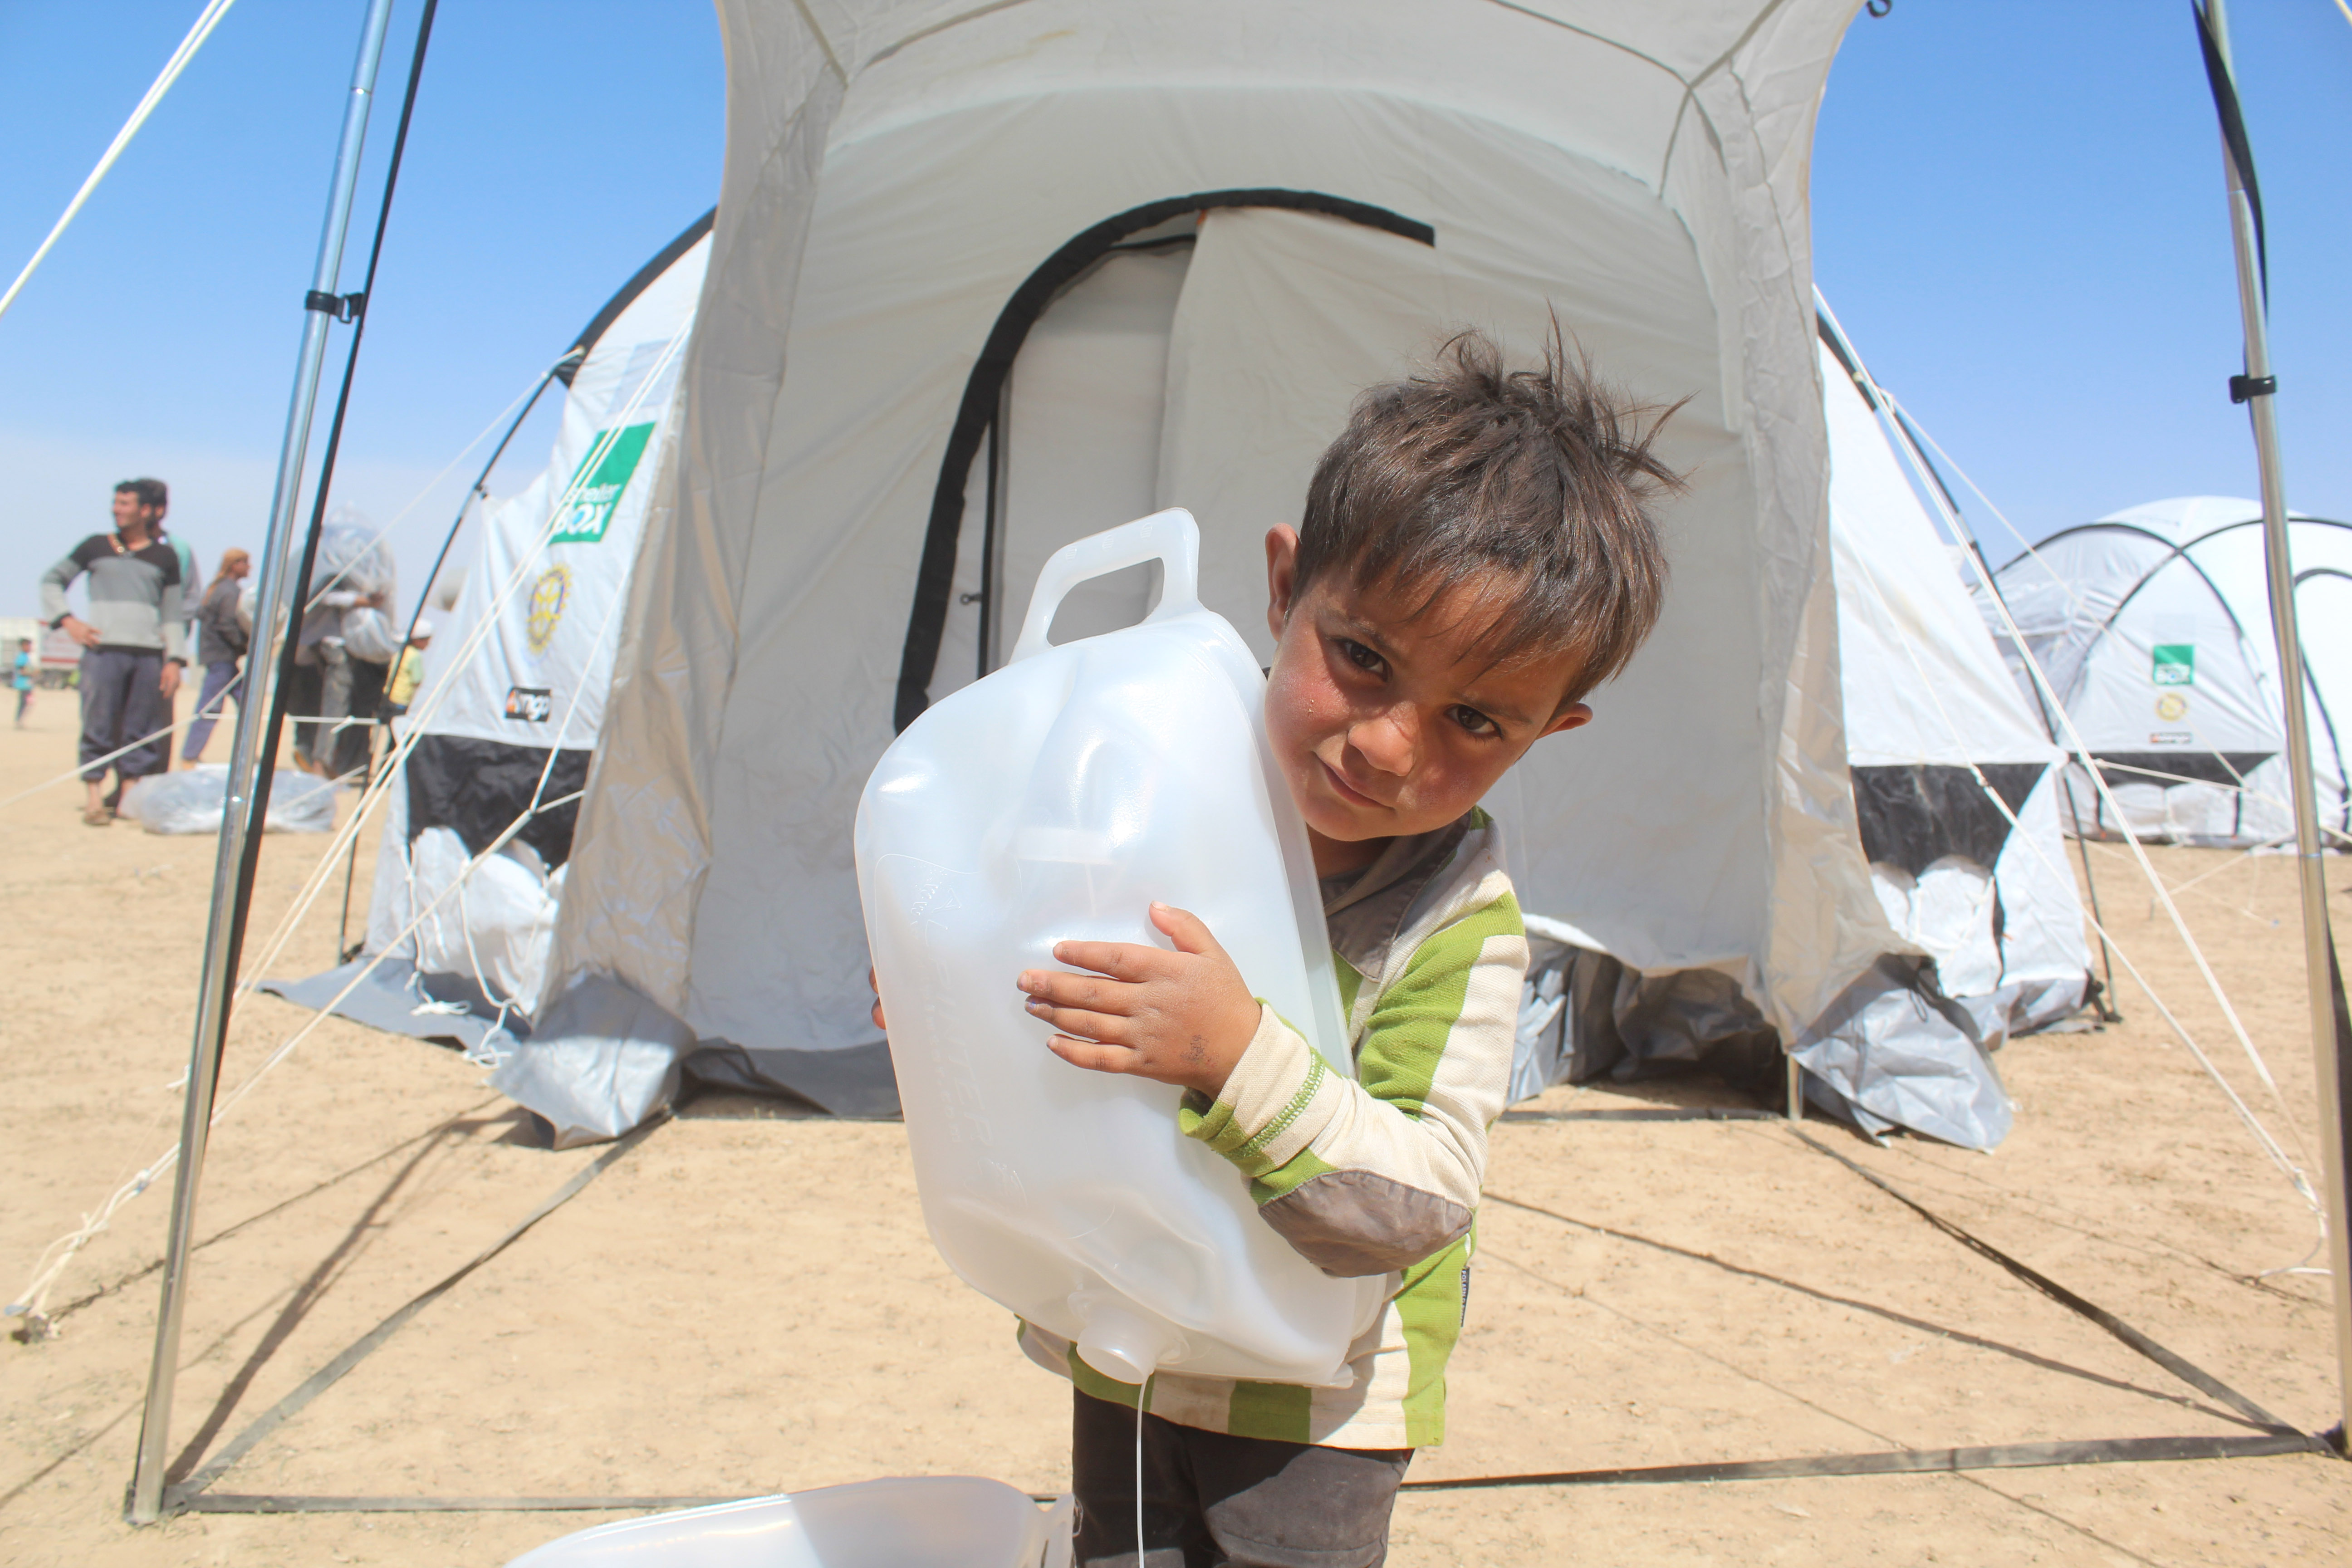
point(1089, 990)
point(1119, 960)
point(1105, 1027)
point(1093, 1056)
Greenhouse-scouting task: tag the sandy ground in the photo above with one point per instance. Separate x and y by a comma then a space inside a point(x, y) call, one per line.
point(747, 1302)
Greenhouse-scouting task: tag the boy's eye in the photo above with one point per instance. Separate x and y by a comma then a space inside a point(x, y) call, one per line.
point(1361, 656)
point(1470, 719)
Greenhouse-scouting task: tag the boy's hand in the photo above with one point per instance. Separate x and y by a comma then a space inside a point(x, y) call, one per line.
point(1182, 1017)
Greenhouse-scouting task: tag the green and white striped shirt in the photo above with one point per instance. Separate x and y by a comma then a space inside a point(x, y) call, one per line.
point(1380, 1174)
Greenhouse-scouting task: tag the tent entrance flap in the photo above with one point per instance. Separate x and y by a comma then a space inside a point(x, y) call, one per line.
point(984, 397)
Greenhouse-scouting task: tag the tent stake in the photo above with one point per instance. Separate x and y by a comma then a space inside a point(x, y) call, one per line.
point(2331, 1033)
point(241, 820)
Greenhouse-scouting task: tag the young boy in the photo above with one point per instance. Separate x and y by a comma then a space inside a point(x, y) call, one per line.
point(1475, 556)
point(20, 675)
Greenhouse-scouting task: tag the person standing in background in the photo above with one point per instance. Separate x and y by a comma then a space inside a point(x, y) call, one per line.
point(20, 675)
point(133, 645)
point(408, 670)
point(221, 642)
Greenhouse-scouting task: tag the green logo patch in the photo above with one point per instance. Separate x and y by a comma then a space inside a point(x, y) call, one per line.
point(2176, 664)
point(594, 493)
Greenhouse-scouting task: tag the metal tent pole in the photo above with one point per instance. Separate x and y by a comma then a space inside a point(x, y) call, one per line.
point(241, 822)
point(2257, 390)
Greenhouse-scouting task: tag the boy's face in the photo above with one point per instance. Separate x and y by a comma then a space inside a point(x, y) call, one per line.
point(1386, 723)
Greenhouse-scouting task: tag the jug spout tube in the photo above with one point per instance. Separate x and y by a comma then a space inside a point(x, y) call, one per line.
point(1121, 1341)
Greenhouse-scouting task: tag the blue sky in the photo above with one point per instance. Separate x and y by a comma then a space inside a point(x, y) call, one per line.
point(557, 145)
point(2017, 214)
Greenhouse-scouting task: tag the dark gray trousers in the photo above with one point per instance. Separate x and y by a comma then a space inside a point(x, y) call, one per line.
point(120, 701)
point(212, 701)
point(1211, 1500)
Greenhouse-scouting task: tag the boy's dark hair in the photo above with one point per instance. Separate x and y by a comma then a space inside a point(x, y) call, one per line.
point(1469, 470)
point(150, 492)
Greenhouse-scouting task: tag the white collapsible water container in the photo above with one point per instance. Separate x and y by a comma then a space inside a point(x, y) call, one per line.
point(1055, 800)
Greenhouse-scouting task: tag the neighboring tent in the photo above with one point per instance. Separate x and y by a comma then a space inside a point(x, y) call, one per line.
point(512, 727)
point(1935, 730)
point(2154, 627)
point(986, 278)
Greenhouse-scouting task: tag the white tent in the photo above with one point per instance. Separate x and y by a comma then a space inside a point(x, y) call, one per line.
point(986, 279)
point(2154, 625)
point(510, 727)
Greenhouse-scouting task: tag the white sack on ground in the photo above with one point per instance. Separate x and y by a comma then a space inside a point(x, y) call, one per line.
point(491, 925)
point(194, 800)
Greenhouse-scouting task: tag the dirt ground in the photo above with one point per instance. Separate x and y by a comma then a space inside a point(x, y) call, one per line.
point(746, 1302)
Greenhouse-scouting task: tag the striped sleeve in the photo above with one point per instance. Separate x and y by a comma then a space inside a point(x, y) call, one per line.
point(1374, 1174)
point(55, 607)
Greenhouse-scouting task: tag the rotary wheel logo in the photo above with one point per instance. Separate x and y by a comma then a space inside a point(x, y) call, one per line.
point(548, 597)
point(2171, 705)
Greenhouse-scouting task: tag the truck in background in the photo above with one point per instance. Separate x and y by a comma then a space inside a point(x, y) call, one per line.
point(60, 656)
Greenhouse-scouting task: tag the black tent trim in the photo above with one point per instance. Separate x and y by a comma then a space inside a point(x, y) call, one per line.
point(2225, 768)
point(577, 354)
point(935, 577)
point(1840, 351)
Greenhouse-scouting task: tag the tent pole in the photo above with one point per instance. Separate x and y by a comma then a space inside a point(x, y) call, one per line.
point(2331, 1036)
point(241, 822)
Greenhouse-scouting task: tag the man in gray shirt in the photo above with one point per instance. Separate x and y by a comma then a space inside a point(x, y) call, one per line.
point(133, 644)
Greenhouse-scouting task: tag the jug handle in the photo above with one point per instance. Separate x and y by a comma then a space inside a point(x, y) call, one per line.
point(1169, 536)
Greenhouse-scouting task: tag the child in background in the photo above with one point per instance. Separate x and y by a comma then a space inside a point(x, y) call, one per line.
point(1475, 556)
point(20, 675)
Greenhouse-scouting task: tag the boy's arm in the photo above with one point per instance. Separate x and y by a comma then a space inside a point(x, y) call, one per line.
point(1374, 1174)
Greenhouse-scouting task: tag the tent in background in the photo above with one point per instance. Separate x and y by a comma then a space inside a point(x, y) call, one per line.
point(1944, 753)
point(948, 328)
point(514, 724)
point(2154, 628)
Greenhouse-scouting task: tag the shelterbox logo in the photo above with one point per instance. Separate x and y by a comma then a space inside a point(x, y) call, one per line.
point(2176, 664)
point(596, 493)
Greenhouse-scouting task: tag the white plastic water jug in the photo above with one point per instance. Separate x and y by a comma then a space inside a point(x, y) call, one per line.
point(1056, 800)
